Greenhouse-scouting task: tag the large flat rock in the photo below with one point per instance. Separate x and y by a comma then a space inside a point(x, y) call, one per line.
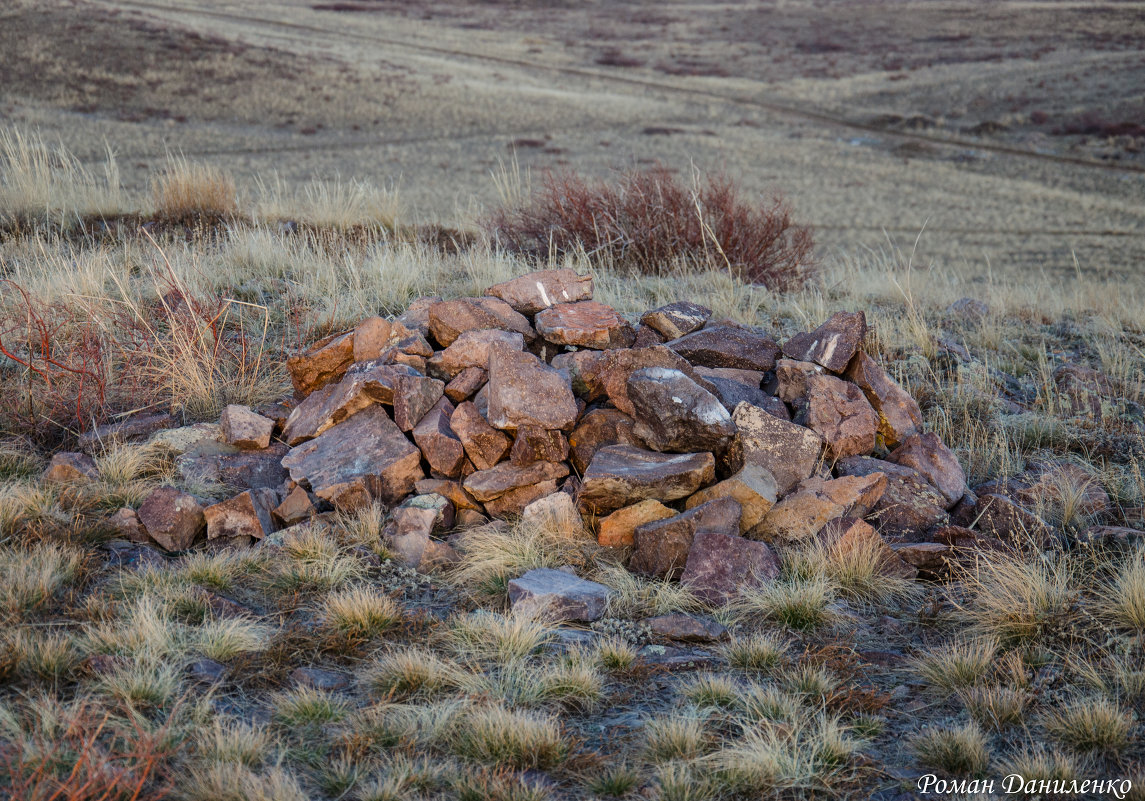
point(621, 475)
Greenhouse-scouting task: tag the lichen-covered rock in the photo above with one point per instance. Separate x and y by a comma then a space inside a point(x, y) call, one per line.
point(909, 507)
point(801, 515)
point(532, 444)
point(616, 530)
point(786, 450)
point(899, 415)
point(537, 291)
point(727, 346)
point(839, 412)
point(675, 414)
point(324, 362)
point(555, 595)
point(523, 391)
point(620, 475)
point(245, 429)
point(172, 518)
point(927, 454)
point(832, 344)
point(677, 319)
point(753, 487)
point(586, 324)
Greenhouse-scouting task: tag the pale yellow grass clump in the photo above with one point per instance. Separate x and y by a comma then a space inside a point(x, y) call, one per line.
point(187, 188)
point(336, 205)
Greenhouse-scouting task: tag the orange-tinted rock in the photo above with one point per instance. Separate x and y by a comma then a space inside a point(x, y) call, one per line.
point(753, 487)
point(616, 530)
point(899, 415)
point(803, 513)
point(363, 386)
point(322, 364)
point(450, 490)
point(597, 429)
point(677, 319)
point(172, 518)
point(67, 467)
point(440, 447)
point(414, 396)
point(485, 445)
point(296, 507)
point(513, 502)
point(371, 338)
point(472, 349)
point(248, 514)
point(791, 379)
point(245, 429)
point(449, 319)
point(932, 560)
point(910, 506)
point(660, 548)
point(927, 454)
point(416, 315)
point(727, 346)
point(126, 524)
point(408, 531)
point(620, 475)
point(533, 444)
point(534, 292)
point(839, 412)
point(523, 391)
point(851, 534)
point(586, 324)
point(788, 451)
point(832, 344)
point(555, 513)
point(486, 485)
point(466, 383)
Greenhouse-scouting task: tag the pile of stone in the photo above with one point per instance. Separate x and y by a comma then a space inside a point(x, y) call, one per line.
point(694, 444)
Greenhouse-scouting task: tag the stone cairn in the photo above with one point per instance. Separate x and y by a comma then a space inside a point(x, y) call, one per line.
point(696, 445)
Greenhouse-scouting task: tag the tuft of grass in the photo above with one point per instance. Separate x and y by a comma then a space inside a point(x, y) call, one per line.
point(959, 664)
point(675, 737)
point(142, 684)
point(360, 612)
point(1036, 762)
point(234, 742)
point(501, 737)
point(47, 656)
point(488, 636)
point(1124, 605)
point(800, 604)
point(328, 205)
point(614, 782)
point(768, 703)
point(187, 190)
point(225, 639)
point(635, 597)
point(756, 653)
point(305, 706)
point(615, 654)
point(1019, 600)
point(811, 753)
point(1089, 725)
point(31, 576)
point(711, 691)
point(647, 221)
point(812, 681)
point(952, 751)
point(994, 707)
point(412, 672)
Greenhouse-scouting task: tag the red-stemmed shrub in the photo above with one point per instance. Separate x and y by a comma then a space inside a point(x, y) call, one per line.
point(647, 221)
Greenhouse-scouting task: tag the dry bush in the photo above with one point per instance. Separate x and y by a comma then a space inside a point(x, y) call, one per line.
point(649, 222)
point(186, 190)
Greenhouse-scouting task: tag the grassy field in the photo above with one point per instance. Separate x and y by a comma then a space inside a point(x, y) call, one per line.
point(352, 178)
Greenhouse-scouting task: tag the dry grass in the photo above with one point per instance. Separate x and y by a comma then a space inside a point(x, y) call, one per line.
point(185, 190)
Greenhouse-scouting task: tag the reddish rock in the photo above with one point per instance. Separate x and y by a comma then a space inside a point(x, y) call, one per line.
point(449, 319)
point(597, 429)
point(67, 468)
point(366, 452)
point(555, 595)
point(839, 412)
point(608, 376)
point(248, 514)
point(555, 513)
point(297, 507)
point(513, 502)
point(1001, 518)
point(803, 513)
point(899, 415)
point(485, 445)
point(486, 485)
point(677, 319)
point(253, 469)
point(523, 391)
point(533, 444)
point(440, 447)
point(133, 429)
point(325, 362)
point(620, 475)
point(927, 454)
point(791, 379)
point(583, 368)
point(371, 338)
point(1051, 483)
point(126, 524)
point(245, 429)
point(1083, 390)
point(686, 628)
point(932, 560)
point(660, 548)
point(586, 324)
point(674, 414)
point(451, 491)
point(416, 315)
point(788, 451)
point(408, 531)
point(172, 518)
point(909, 507)
point(363, 386)
point(753, 488)
point(616, 530)
point(847, 534)
point(647, 337)
point(466, 383)
point(471, 350)
point(831, 345)
point(537, 291)
point(727, 346)
point(721, 566)
point(414, 397)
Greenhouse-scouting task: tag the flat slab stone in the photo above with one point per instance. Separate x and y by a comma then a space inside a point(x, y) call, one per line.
point(324, 362)
point(801, 514)
point(617, 529)
point(133, 429)
point(557, 596)
point(677, 319)
point(486, 485)
point(68, 467)
point(449, 319)
point(686, 628)
point(540, 290)
point(366, 449)
point(586, 324)
point(621, 475)
point(362, 386)
point(727, 346)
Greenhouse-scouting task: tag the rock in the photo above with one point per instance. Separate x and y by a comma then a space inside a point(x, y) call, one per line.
point(172, 518)
point(647, 337)
point(677, 319)
point(839, 412)
point(1119, 537)
point(414, 397)
point(832, 344)
point(133, 429)
point(362, 387)
point(493, 482)
point(674, 414)
point(732, 393)
point(932, 560)
point(245, 429)
point(248, 514)
point(899, 415)
point(136, 556)
point(69, 467)
point(466, 383)
point(721, 566)
point(788, 451)
point(910, 505)
point(1052, 483)
point(599, 428)
point(472, 350)
point(523, 391)
point(556, 513)
point(726, 346)
point(449, 319)
point(296, 507)
point(927, 454)
point(801, 515)
point(253, 469)
point(608, 375)
point(753, 487)
point(968, 310)
point(847, 534)
point(616, 530)
point(126, 524)
point(451, 490)
point(416, 315)
point(791, 379)
point(324, 363)
point(660, 548)
point(999, 517)
point(180, 440)
point(485, 445)
point(537, 291)
point(538, 445)
point(371, 338)
point(440, 447)
point(407, 532)
point(206, 671)
point(513, 502)
point(686, 628)
point(555, 595)
point(620, 475)
point(1083, 390)
point(586, 324)
point(365, 455)
point(319, 679)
